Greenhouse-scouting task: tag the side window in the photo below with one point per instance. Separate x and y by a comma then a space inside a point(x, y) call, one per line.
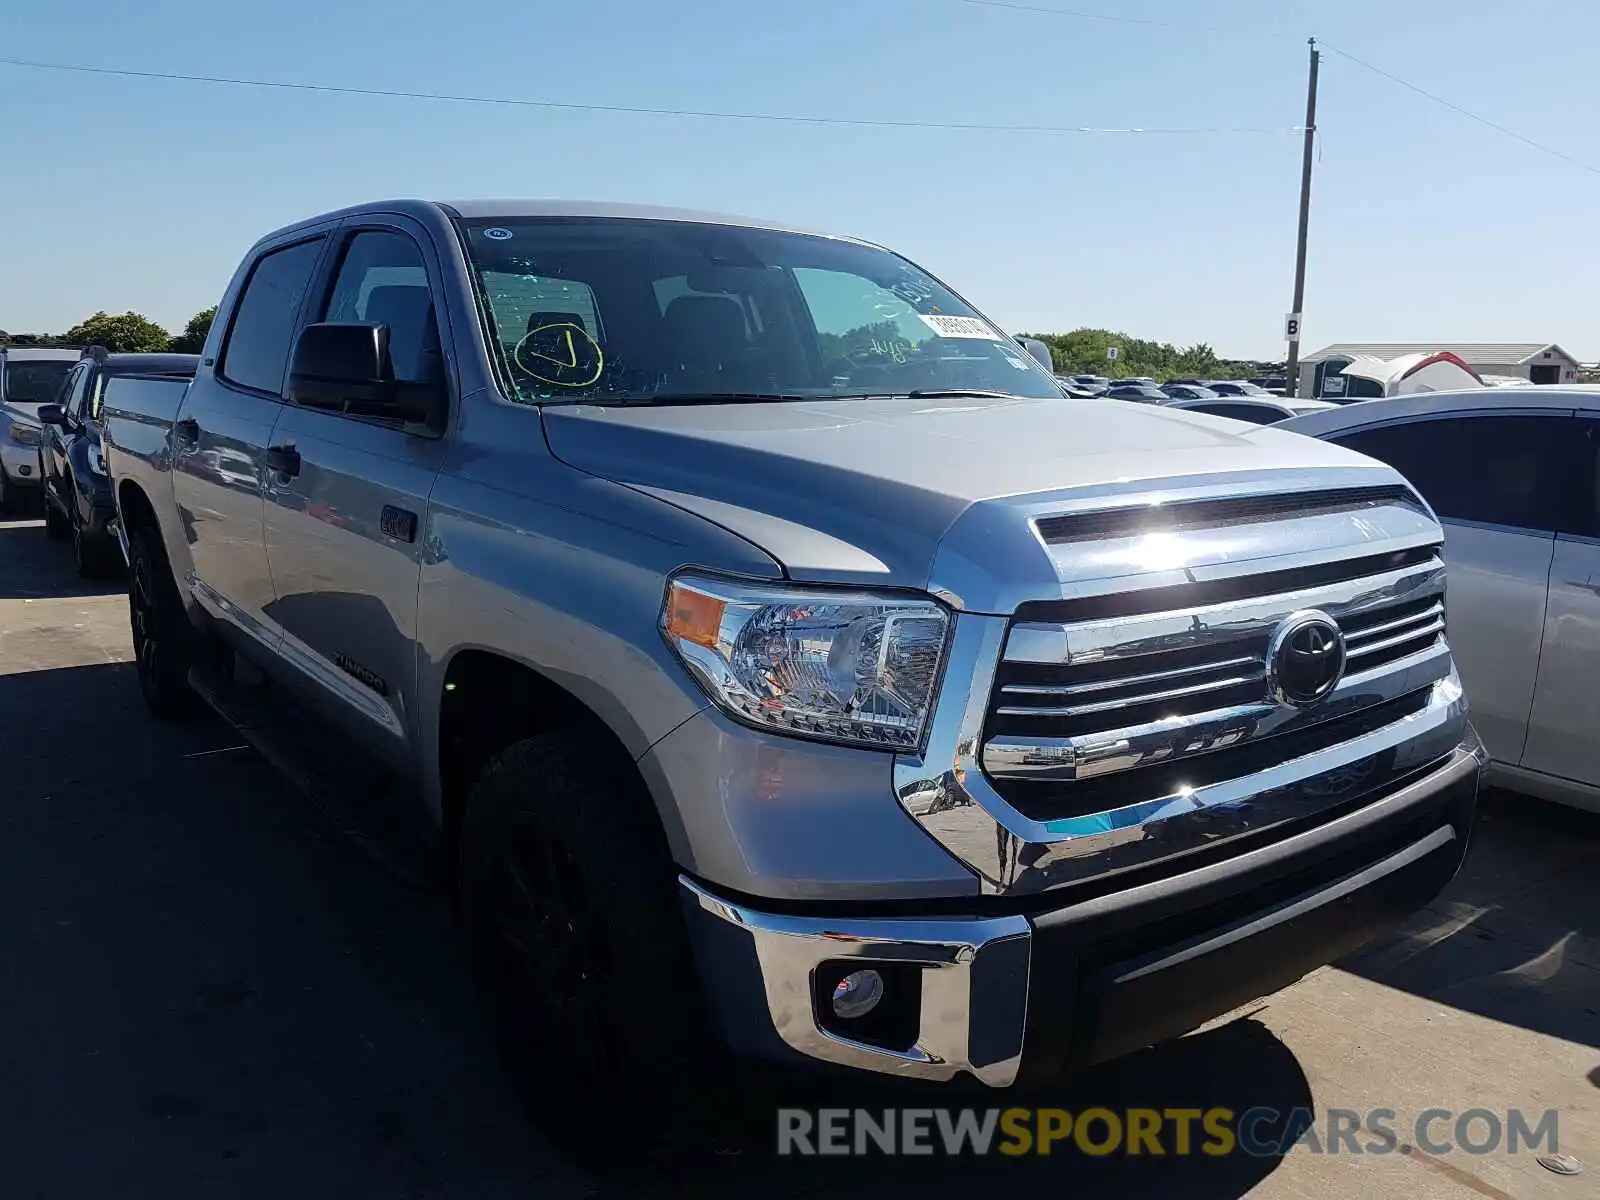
point(83, 389)
point(257, 351)
point(383, 280)
point(70, 397)
point(1499, 470)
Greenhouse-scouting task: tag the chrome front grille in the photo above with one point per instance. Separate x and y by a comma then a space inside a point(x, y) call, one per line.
point(1105, 688)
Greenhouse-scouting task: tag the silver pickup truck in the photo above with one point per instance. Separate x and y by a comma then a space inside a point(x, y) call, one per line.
point(780, 662)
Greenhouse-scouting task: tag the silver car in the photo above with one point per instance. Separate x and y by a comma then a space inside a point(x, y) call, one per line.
point(29, 376)
point(1511, 474)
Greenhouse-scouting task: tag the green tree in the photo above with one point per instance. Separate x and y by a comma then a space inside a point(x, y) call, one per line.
point(1083, 352)
point(129, 332)
point(193, 338)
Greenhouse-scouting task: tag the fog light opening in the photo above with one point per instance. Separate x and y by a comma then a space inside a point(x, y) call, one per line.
point(857, 994)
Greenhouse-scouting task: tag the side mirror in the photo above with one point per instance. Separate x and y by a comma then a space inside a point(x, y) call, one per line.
point(346, 368)
point(52, 414)
point(1040, 352)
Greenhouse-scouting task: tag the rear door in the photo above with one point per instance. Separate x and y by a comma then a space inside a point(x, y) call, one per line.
point(1492, 478)
point(220, 439)
point(346, 528)
point(1562, 735)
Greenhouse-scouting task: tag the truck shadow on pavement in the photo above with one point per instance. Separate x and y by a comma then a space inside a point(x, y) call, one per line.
point(1516, 935)
point(32, 567)
point(208, 994)
point(1238, 1066)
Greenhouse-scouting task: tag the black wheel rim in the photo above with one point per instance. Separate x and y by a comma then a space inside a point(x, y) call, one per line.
point(141, 611)
point(550, 957)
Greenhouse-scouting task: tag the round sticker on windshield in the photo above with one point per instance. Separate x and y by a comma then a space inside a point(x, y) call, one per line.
point(498, 234)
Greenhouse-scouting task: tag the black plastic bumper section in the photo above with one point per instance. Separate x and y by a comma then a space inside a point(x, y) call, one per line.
point(1111, 981)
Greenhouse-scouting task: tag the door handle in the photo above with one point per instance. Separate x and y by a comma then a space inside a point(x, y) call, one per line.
point(283, 459)
point(187, 430)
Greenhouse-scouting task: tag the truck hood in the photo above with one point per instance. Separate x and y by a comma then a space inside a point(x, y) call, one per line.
point(941, 494)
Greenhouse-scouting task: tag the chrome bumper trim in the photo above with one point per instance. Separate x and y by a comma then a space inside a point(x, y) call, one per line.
point(789, 949)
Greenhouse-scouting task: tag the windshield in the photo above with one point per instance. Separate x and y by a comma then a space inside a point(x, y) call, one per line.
point(34, 382)
point(615, 311)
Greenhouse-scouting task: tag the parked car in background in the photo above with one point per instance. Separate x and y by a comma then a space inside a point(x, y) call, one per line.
point(1071, 388)
point(1091, 382)
point(1276, 385)
point(1267, 411)
point(1512, 475)
point(78, 501)
point(1146, 393)
point(781, 693)
point(1187, 391)
point(29, 376)
point(1236, 387)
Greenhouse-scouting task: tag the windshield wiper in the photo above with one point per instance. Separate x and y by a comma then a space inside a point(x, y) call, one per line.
point(713, 398)
point(961, 394)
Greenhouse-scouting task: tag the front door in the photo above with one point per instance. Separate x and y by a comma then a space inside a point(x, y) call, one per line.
point(1562, 735)
point(220, 437)
point(54, 439)
point(1491, 477)
point(346, 527)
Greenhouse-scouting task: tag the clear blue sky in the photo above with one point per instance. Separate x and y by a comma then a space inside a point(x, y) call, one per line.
point(126, 193)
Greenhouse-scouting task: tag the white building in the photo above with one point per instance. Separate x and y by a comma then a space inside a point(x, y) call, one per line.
point(1537, 362)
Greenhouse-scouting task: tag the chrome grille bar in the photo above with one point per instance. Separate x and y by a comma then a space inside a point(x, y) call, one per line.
point(1077, 689)
point(1432, 630)
point(1090, 755)
point(1130, 637)
point(1194, 689)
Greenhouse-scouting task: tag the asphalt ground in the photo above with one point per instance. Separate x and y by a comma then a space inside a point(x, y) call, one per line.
point(205, 990)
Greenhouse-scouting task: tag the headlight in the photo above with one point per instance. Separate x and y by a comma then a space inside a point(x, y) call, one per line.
point(843, 666)
point(24, 435)
point(97, 461)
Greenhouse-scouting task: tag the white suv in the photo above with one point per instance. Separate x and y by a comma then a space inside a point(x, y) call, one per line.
point(29, 376)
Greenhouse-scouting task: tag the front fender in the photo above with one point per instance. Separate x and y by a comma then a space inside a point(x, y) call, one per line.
point(564, 576)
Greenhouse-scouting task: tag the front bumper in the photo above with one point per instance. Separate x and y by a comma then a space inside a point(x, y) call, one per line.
point(20, 462)
point(1042, 992)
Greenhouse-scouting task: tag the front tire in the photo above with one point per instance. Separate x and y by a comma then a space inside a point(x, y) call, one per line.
point(164, 642)
point(569, 907)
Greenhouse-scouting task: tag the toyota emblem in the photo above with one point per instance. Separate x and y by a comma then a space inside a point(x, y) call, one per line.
point(1305, 660)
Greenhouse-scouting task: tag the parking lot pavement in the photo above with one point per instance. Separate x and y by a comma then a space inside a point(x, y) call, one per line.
point(204, 993)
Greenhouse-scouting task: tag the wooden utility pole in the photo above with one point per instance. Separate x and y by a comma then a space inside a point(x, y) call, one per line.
point(1292, 326)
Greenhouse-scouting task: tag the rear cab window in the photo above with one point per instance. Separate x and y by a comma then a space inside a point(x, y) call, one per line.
point(256, 353)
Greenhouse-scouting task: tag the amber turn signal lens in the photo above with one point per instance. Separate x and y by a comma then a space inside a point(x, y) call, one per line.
point(694, 616)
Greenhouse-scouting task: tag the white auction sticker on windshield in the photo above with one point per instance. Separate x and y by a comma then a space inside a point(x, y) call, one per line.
point(961, 327)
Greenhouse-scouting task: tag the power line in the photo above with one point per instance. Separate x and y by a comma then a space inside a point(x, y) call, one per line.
point(1147, 22)
point(1150, 22)
point(574, 106)
point(1471, 116)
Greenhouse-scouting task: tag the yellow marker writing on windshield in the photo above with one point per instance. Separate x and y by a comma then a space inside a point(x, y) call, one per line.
point(569, 360)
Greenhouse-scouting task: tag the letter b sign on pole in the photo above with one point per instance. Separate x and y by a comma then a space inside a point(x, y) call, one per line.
point(1291, 327)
